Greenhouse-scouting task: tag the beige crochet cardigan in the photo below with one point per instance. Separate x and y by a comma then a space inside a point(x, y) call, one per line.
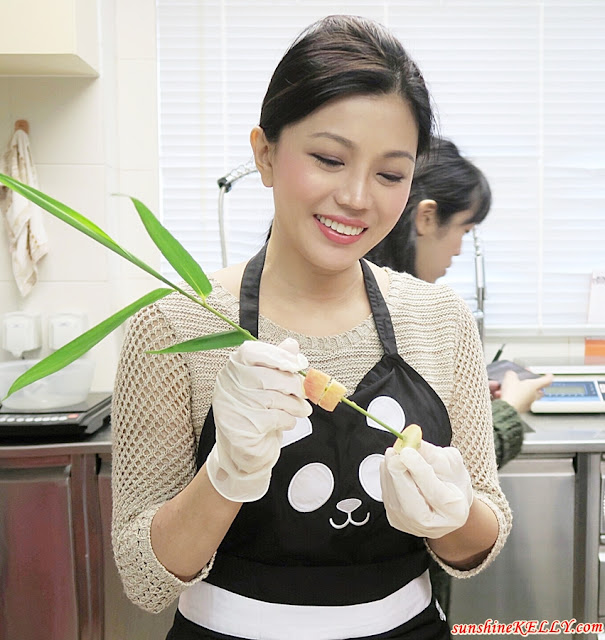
point(161, 401)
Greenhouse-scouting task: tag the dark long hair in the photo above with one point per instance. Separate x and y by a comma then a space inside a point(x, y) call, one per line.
point(441, 174)
point(342, 56)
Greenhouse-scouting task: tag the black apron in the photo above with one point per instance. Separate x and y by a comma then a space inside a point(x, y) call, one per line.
point(320, 536)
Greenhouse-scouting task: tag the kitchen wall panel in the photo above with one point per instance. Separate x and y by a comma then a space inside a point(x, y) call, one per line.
point(91, 138)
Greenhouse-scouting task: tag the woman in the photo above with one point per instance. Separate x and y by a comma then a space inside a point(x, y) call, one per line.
point(449, 196)
point(269, 519)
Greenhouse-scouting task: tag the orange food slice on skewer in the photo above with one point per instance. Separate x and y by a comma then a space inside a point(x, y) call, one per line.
point(315, 383)
point(332, 395)
point(323, 390)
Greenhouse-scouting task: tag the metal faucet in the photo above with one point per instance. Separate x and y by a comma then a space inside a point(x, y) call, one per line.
point(225, 183)
point(480, 293)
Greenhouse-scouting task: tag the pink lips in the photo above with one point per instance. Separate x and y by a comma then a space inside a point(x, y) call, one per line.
point(335, 236)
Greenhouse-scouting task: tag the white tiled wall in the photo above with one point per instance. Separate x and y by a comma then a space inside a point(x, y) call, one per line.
point(91, 138)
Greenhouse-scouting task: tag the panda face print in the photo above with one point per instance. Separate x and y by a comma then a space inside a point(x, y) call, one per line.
point(344, 490)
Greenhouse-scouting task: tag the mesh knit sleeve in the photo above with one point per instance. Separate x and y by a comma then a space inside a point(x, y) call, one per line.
point(472, 430)
point(153, 454)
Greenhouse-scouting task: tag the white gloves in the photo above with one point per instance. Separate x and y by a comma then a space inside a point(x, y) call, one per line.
point(258, 394)
point(427, 493)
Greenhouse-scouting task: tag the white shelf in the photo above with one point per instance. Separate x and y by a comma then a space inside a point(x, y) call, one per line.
point(45, 64)
point(41, 38)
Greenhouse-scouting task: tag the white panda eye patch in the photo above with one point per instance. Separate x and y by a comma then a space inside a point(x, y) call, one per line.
point(369, 476)
point(302, 429)
point(389, 411)
point(310, 487)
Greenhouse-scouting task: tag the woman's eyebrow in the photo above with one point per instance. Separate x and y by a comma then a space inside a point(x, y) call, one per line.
point(333, 136)
point(400, 154)
point(350, 145)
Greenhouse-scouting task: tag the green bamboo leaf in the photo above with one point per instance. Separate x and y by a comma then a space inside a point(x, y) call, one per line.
point(83, 343)
point(77, 221)
point(208, 342)
point(173, 251)
point(178, 257)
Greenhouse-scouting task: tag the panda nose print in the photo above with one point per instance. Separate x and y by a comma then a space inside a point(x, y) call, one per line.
point(349, 505)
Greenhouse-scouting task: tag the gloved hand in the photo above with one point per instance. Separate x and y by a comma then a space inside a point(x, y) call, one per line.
point(427, 493)
point(258, 394)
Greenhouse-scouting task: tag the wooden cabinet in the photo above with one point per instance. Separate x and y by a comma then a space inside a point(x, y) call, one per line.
point(58, 578)
point(50, 547)
point(42, 38)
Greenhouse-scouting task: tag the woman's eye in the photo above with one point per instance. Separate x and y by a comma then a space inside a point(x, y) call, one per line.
point(327, 162)
point(391, 177)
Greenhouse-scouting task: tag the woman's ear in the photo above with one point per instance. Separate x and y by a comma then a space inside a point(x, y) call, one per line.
point(263, 155)
point(426, 217)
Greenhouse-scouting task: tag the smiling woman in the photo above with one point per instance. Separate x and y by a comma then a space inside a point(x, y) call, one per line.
point(229, 487)
point(339, 163)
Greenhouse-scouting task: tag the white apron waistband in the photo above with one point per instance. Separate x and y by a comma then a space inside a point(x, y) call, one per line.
point(231, 614)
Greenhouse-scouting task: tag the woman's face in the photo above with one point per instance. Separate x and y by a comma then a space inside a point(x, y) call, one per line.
point(437, 245)
point(341, 178)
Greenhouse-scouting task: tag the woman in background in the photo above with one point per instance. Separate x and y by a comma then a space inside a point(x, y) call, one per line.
point(449, 196)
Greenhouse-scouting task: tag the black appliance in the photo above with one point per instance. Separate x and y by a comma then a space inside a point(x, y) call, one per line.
point(73, 421)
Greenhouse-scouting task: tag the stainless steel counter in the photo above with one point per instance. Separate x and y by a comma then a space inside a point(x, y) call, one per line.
point(549, 568)
point(571, 433)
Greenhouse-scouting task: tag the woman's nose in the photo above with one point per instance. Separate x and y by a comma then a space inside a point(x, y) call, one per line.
point(354, 193)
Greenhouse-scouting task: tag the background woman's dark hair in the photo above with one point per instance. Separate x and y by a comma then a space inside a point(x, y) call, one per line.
point(449, 179)
point(340, 56)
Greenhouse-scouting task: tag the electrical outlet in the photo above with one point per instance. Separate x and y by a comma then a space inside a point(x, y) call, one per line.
point(64, 327)
point(21, 332)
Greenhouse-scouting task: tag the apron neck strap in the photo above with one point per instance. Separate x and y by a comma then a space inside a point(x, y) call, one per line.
point(249, 301)
point(249, 292)
point(380, 311)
